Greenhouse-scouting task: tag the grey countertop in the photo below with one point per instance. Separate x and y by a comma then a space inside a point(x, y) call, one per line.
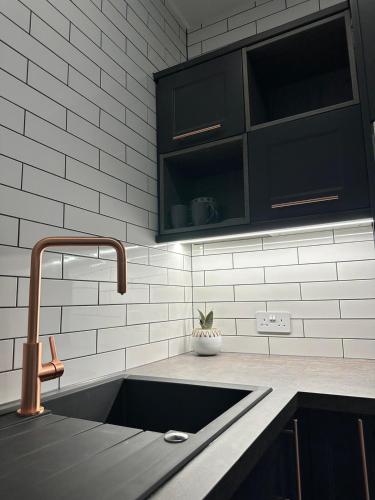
point(287, 376)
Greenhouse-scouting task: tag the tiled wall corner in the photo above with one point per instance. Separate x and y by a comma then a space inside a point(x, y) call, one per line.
point(325, 279)
point(78, 157)
point(260, 16)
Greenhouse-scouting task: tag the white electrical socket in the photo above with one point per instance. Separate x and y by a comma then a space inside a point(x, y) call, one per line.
point(273, 322)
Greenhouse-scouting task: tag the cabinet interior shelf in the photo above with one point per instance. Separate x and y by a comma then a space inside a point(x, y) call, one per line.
point(217, 170)
point(304, 72)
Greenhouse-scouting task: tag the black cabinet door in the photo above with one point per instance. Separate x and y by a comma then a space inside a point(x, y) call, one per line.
point(274, 477)
point(202, 103)
point(309, 166)
point(368, 458)
point(367, 23)
point(331, 456)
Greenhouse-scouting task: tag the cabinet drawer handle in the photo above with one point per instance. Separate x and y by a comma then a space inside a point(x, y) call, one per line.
point(307, 201)
point(298, 463)
point(363, 458)
point(196, 132)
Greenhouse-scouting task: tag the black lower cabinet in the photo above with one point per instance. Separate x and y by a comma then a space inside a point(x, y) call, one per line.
point(320, 455)
point(331, 456)
point(308, 167)
point(275, 476)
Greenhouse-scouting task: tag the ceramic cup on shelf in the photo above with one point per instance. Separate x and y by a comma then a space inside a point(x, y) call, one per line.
point(179, 215)
point(204, 210)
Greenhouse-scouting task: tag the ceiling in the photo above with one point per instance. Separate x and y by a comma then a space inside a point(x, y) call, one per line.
point(196, 12)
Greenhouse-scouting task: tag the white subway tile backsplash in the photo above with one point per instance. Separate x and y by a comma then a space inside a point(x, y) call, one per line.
point(89, 222)
point(136, 294)
point(144, 354)
point(11, 116)
point(169, 330)
point(13, 62)
point(298, 273)
point(50, 186)
point(285, 16)
point(236, 309)
point(10, 172)
point(8, 230)
point(356, 348)
point(146, 313)
point(232, 246)
point(330, 348)
point(26, 150)
point(13, 321)
point(180, 310)
point(33, 100)
point(213, 293)
point(17, 12)
point(20, 204)
point(234, 276)
point(110, 339)
point(266, 258)
point(348, 234)
point(32, 49)
point(43, 82)
point(243, 344)
point(255, 13)
point(361, 269)
point(179, 345)
point(357, 308)
point(298, 240)
point(6, 355)
point(356, 289)
point(167, 293)
point(339, 252)
point(50, 15)
point(340, 328)
point(288, 291)
point(59, 139)
point(307, 309)
point(60, 292)
point(209, 262)
point(91, 367)
point(77, 318)
point(8, 291)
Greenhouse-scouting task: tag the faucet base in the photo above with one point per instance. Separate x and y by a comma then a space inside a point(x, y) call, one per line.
point(22, 414)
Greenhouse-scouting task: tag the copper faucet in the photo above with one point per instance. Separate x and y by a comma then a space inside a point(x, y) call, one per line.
point(33, 370)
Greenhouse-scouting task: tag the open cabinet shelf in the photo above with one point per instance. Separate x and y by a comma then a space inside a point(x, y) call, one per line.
point(214, 172)
point(307, 71)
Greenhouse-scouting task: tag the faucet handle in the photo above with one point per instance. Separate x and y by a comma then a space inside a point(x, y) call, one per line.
point(53, 369)
point(52, 346)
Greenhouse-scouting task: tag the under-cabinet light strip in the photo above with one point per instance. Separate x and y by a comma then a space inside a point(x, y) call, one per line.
point(275, 232)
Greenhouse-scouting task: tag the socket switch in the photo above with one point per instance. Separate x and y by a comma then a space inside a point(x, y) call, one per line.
point(273, 322)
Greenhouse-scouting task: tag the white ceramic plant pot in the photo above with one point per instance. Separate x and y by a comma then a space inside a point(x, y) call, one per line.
point(206, 342)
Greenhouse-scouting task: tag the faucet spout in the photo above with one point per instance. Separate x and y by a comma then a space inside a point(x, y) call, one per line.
point(33, 370)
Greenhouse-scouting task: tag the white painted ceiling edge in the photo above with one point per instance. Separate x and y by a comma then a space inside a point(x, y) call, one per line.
point(194, 13)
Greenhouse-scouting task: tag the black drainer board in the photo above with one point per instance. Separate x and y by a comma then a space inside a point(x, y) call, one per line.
point(161, 406)
point(299, 73)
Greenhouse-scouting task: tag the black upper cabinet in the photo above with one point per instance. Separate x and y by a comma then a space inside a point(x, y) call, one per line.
point(367, 22)
point(200, 104)
point(311, 166)
point(306, 71)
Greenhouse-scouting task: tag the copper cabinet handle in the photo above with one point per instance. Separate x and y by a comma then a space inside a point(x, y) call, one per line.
point(307, 201)
point(196, 132)
point(298, 463)
point(362, 445)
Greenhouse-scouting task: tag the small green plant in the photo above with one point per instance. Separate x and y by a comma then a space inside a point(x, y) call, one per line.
point(206, 321)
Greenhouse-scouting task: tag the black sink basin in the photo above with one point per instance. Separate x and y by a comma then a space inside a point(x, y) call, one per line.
point(107, 440)
point(157, 404)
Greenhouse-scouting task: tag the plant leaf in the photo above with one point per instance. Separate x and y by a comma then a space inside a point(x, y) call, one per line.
point(209, 319)
point(202, 320)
